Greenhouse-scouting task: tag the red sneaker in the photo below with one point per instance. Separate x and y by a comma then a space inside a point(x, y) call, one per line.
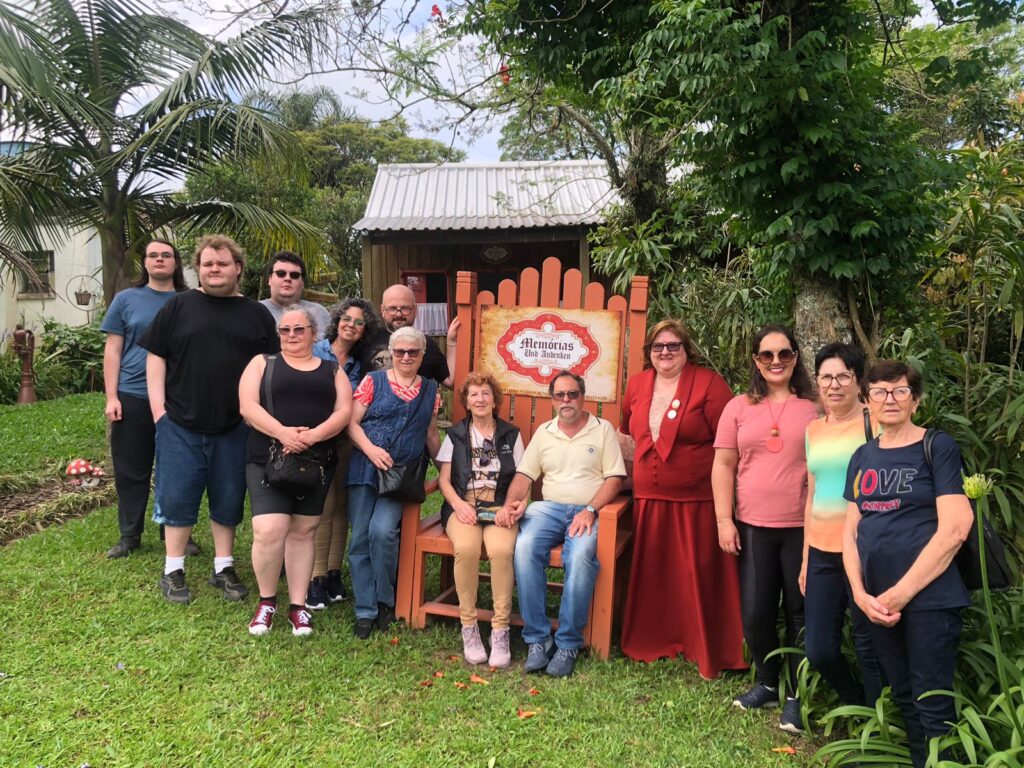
point(263, 619)
point(301, 621)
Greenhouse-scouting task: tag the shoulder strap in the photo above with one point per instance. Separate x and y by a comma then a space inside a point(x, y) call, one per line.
point(929, 440)
point(868, 435)
point(268, 374)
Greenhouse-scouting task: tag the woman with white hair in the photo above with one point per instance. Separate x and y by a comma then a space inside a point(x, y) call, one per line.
point(394, 415)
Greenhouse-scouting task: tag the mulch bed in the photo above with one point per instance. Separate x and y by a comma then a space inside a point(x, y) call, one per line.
point(31, 510)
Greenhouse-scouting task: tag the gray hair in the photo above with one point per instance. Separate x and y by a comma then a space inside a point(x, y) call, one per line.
point(306, 314)
point(408, 332)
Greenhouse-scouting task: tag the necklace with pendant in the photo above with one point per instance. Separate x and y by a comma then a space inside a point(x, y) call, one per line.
point(774, 443)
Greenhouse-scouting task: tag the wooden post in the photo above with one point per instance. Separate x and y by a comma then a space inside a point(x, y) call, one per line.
point(24, 347)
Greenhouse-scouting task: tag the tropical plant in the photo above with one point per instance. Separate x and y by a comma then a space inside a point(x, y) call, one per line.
point(110, 104)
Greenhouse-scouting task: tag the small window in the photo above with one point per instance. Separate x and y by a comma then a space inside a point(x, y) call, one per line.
point(42, 263)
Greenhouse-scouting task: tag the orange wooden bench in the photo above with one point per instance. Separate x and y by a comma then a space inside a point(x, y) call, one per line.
point(423, 537)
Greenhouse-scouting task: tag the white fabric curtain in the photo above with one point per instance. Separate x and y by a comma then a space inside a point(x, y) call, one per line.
point(432, 319)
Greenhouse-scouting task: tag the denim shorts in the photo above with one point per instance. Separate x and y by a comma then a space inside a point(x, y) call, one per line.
point(189, 463)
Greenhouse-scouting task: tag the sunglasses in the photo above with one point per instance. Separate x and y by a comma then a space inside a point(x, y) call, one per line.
point(283, 273)
point(410, 353)
point(671, 346)
point(488, 447)
point(292, 330)
point(358, 322)
point(571, 395)
point(766, 356)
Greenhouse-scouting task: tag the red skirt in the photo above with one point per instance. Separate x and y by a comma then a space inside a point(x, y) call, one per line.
point(684, 591)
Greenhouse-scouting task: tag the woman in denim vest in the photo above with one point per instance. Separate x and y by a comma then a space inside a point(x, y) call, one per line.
point(394, 415)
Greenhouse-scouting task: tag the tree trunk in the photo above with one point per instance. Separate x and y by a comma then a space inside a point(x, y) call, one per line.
point(117, 264)
point(819, 316)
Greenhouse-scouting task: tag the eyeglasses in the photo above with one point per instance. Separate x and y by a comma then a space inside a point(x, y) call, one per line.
point(358, 322)
point(881, 394)
point(825, 380)
point(294, 330)
point(283, 273)
point(404, 309)
point(671, 346)
point(766, 356)
point(410, 353)
point(166, 256)
point(571, 395)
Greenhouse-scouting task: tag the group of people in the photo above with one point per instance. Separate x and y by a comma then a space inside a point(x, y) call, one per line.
point(740, 502)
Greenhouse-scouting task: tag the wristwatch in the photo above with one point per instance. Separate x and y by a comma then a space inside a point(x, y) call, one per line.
point(591, 509)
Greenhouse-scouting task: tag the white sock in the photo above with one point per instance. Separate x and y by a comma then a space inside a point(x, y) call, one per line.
point(172, 564)
point(220, 563)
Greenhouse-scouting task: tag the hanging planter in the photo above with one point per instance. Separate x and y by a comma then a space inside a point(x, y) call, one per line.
point(83, 298)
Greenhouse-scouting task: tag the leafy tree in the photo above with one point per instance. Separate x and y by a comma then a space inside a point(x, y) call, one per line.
point(340, 157)
point(114, 103)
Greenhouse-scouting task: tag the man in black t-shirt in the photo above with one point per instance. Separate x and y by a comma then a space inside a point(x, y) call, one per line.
point(198, 345)
point(398, 308)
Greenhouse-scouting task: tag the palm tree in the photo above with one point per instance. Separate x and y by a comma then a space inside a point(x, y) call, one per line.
point(113, 104)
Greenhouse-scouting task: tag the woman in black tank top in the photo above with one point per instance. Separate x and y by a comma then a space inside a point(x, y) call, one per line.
point(310, 402)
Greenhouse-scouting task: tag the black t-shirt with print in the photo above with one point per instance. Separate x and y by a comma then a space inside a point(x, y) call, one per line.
point(895, 491)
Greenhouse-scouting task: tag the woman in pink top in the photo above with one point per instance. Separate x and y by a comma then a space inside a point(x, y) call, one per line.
point(760, 469)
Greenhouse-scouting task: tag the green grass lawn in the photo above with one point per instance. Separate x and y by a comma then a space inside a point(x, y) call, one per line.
point(96, 668)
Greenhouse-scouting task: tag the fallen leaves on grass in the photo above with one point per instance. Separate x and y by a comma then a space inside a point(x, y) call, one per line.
point(460, 685)
point(453, 657)
point(525, 714)
point(534, 691)
point(393, 641)
point(439, 673)
point(426, 683)
point(478, 680)
point(787, 750)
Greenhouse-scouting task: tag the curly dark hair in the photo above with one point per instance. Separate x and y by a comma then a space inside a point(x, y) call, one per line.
point(374, 323)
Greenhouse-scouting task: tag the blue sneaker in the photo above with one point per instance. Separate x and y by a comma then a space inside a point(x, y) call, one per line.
point(538, 655)
point(791, 721)
point(758, 696)
point(563, 662)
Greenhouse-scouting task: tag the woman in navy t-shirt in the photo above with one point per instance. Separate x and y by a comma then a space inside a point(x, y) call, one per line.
point(905, 523)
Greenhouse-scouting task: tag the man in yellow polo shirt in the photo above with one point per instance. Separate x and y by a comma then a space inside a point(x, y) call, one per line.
point(579, 457)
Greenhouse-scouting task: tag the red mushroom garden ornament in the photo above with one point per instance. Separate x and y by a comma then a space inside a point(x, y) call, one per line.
point(82, 473)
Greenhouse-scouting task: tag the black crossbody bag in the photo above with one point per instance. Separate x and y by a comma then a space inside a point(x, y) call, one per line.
point(296, 474)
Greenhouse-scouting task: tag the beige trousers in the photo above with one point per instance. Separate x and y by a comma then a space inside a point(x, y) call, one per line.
point(500, 544)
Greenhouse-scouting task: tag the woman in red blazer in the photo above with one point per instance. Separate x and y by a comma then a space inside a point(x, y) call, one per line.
point(683, 591)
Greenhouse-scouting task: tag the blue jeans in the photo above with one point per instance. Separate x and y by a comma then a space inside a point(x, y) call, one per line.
point(918, 655)
point(825, 602)
point(188, 463)
point(373, 548)
point(544, 527)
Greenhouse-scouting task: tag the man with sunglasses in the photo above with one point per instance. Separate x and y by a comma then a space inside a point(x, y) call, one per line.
point(286, 276)
point(398, 308)
point(198, 345)
point(579, 457)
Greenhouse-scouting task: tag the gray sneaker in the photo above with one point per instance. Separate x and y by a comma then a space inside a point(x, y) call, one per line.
point(563, 662)
point(538, 655)
point(174, 587)
point(228, 582)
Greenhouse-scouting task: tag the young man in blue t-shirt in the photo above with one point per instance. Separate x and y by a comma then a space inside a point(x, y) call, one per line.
point(124, 379)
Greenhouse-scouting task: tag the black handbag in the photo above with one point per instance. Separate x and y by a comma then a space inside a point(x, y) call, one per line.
point(968, 559)
point(296, 474)
point(404, 482)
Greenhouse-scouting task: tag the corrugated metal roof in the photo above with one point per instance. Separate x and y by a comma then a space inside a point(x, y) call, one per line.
point(424, 196)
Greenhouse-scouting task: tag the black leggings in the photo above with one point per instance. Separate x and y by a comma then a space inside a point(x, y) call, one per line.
point(769, 567)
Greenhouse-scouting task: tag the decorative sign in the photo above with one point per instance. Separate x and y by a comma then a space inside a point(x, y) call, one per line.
point(524, 346)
